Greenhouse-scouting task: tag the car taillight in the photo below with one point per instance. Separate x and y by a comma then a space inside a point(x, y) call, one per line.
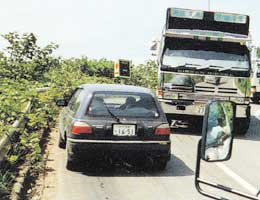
point(81, 128)
point(253, 89)
point(163, 129)
point(159, 93)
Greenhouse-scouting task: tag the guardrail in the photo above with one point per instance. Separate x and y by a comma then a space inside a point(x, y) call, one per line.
point(6, 140)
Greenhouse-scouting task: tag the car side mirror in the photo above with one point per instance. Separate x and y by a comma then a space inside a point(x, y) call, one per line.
point(61, 103)
point(217, 132)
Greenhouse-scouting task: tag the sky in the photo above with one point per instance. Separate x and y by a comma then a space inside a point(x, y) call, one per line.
point(106, 28)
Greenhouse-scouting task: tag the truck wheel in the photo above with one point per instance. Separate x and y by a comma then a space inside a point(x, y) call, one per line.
point(241, 126)
point(61, 142)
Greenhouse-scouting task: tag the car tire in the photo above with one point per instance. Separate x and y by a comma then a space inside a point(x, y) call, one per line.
point(160, 164)
point(71, 165)
point(61, 142)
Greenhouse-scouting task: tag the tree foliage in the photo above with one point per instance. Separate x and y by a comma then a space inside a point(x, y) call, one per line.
point(144, 75)
point(24, 59)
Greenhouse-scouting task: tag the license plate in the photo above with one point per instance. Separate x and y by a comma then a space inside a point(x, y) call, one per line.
point(123, 130)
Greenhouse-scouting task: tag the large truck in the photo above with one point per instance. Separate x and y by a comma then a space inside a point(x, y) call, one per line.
point(255, 77)
point(203, 56)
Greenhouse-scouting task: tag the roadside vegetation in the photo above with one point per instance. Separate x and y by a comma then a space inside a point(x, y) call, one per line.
point(24, 67)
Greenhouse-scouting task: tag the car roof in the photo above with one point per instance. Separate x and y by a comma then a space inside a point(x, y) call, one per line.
point(115, 88)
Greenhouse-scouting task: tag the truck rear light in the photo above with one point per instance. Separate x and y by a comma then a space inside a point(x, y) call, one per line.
point(159, 93)
point(253, 89)
point(163, 129)
point(81, 128)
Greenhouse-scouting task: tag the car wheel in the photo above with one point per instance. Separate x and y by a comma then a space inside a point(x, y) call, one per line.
point(160, 164)
point(71, 165)
point(61, 142)
point(71, 161)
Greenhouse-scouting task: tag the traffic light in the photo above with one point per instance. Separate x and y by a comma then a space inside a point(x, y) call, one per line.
point(122, 69)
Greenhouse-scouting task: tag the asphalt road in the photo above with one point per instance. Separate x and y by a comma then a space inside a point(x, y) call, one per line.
point(176, 182)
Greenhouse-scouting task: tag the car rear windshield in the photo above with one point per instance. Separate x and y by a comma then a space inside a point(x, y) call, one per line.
point(123, 104)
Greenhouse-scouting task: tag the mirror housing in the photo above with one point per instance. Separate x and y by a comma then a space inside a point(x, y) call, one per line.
point(217, 132)
point(61, 103)
point(155, 47)
point(222, 113)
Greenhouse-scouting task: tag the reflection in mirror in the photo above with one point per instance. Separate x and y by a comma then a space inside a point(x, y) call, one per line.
point(219, 131)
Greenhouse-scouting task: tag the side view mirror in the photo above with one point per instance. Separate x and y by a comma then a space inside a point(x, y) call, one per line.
point(61, 103)
point(154, 47)
point(217, 135)
point(216, 145)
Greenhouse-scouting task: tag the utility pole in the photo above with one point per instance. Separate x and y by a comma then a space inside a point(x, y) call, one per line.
point(209, 5)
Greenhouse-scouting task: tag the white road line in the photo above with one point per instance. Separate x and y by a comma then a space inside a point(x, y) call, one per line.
point(238, 179)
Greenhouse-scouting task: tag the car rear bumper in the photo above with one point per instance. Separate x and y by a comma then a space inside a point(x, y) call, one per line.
point(85, 148)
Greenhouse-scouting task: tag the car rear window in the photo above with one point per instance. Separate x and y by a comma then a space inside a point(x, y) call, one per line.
point(123, 104)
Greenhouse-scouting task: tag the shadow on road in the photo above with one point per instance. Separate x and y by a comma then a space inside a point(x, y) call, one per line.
point(253, 132)
point(187, 131)
point(175, 167)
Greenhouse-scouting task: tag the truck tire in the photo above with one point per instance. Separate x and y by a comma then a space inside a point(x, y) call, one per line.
point(61, 142)
point(241, 126)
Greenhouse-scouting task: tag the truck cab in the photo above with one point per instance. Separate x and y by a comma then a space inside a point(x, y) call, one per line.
point(211, 50)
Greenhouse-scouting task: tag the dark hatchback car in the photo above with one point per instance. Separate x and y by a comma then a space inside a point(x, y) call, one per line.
point(113, 120)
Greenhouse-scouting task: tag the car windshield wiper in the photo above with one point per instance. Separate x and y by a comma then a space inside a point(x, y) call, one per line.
point(112, 114)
